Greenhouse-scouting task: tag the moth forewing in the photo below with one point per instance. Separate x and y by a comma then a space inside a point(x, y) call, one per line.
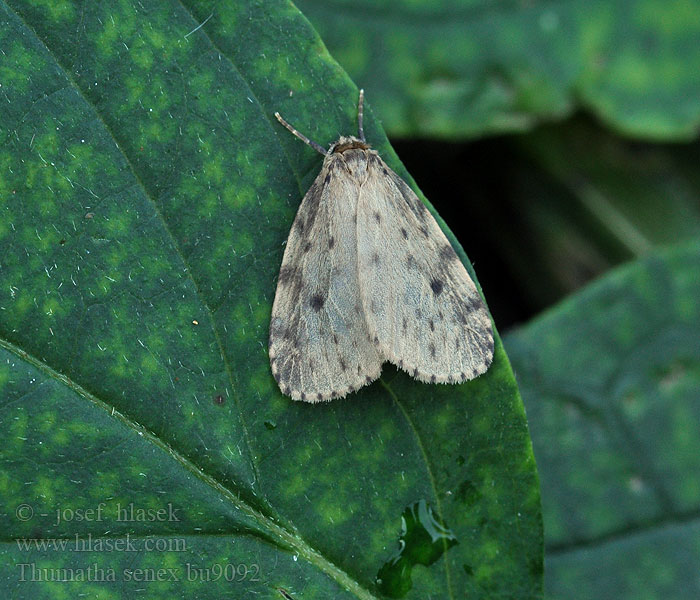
point(420, 303)
point(320, 347)
point(367, 277)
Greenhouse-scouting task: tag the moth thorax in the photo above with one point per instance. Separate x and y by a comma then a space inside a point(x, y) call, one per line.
point(348, 143)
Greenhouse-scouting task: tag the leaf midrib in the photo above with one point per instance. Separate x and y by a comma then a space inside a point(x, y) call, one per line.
point(431, 476)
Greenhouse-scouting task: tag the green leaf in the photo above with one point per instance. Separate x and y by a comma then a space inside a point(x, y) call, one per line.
point(146, 192)
point(610, 379)
point(469, 67)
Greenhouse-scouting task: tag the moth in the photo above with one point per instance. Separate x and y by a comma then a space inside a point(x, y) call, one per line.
point(368, 277)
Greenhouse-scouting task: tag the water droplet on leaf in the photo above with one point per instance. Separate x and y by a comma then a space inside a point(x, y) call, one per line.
point(423, 540)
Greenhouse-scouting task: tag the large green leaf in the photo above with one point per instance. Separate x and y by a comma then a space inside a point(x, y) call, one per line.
point(145, 195)
point(454, 68)
point(611, 382)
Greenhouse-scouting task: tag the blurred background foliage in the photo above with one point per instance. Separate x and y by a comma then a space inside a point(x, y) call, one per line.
point(559, 140)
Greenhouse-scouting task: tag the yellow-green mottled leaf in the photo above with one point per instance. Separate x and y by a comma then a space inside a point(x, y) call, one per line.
point(146, 192)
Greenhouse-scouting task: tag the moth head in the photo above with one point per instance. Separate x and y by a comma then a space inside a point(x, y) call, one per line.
point(348, 143)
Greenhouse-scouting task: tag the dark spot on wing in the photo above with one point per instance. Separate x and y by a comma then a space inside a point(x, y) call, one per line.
point(285, 371)
point(432, 325)
point(287, 391)
point(473, 303)
point(368, 379)
point(463, 376)
point(290, 329)
point(307, 247)
point(335, 339)
point(404, 233)
point(436, 286)
point(327, 179)
point(319, 396)
point(331, 243)
point(424, 231)
point(317, 301)
point(405, 324)
point(432, 350)
point(377, 217)
point(291, 278)
point(412, 201)
point(470, 306)
point(432, 379)
point(286, 273)
point(343, 365)
point(303, 396)
point(276, 327)
point(375, 259)
point(447, 253)
point(410, 261)
point(311, 203)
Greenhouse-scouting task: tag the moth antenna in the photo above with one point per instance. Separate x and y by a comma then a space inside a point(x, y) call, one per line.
point(360, 106)
point(301, 136)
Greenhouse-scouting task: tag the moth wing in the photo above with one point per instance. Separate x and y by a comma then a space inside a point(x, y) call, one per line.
point(319, 343)
point(419, 300)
